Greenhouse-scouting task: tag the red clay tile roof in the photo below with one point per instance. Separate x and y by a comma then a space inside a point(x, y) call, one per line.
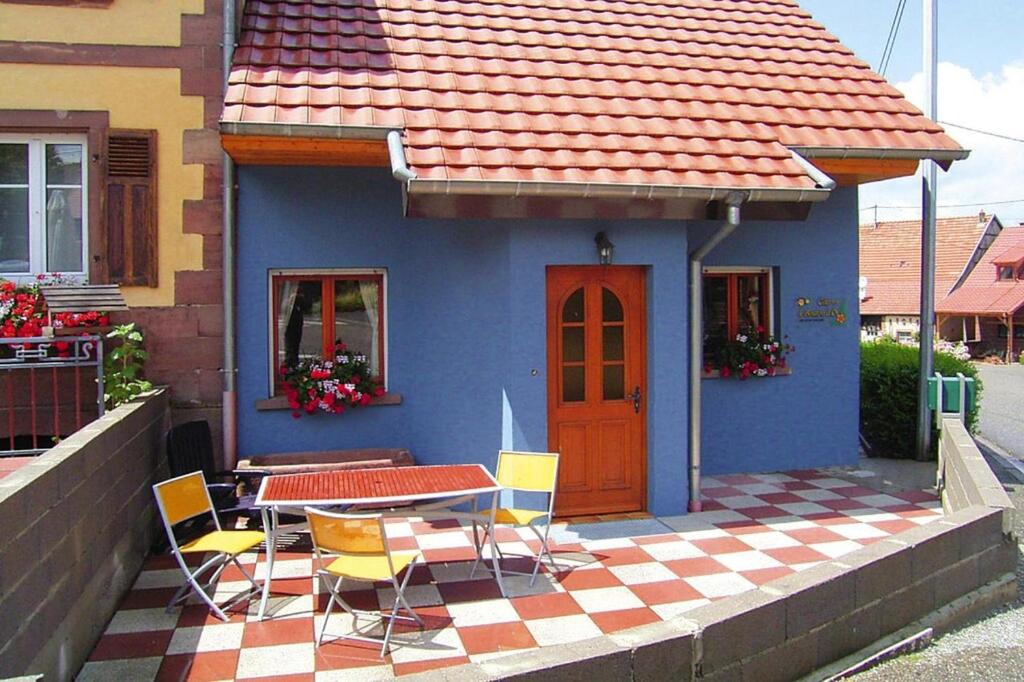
point(890, 257)
point(703, 93)
point(1010, 256)
point(982, 293)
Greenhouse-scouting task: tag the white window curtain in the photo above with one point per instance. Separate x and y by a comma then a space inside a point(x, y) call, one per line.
point(64, 243)
point(288, 293)
point(370, 293)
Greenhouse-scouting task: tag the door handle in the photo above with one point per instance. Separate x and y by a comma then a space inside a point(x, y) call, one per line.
point(636, 399)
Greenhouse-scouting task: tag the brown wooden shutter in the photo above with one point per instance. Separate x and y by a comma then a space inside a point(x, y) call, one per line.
point(131, 207)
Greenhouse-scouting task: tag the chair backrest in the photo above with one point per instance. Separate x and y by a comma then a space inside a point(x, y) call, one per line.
point(190, 448)
point(183, 498)
point(528, 471)
point(351, 534)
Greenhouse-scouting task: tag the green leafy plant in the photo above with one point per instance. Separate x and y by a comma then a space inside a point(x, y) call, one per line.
point(888, 395)
point(122, 368)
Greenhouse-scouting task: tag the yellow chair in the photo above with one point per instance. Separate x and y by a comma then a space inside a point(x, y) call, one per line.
point(528, 472)
point(187, 497)
point(357, 549)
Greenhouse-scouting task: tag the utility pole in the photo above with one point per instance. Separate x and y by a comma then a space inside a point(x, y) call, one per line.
point(928, 189)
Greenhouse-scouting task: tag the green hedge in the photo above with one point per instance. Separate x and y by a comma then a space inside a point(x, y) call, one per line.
point(888, 396)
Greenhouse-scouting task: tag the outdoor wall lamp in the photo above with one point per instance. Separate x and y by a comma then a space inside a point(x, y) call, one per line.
point(604, 248)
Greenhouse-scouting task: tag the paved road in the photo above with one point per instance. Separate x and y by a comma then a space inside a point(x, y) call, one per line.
point(1002, 406)
point(989, 649)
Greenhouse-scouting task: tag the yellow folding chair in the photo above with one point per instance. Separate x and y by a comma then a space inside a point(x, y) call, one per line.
point(356, 548)
point(187, 497)
point(528, 472)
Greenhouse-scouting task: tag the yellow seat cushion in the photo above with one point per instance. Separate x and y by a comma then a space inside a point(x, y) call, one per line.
point(370, 566)
point(516, 517)
point(226, 541)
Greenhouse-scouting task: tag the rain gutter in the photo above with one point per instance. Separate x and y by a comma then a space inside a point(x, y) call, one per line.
point(943, 157)
point(881, 153)
point(696, 311)
point(229, 397)
point(599, 190)
point(306, 130)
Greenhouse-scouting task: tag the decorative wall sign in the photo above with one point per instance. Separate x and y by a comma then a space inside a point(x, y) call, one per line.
point(823, 309)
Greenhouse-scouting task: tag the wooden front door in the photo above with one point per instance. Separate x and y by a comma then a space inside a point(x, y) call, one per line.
point(596, 387)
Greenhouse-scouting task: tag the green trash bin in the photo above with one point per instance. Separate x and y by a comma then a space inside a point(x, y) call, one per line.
point(951, 393)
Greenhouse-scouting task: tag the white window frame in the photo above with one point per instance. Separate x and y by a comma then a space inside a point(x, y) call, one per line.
point(37, 201)
point(322, 272)
point(749, 269)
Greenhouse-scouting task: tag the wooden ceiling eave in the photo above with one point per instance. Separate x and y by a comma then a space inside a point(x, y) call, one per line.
point(857, 171)
point(266, 150)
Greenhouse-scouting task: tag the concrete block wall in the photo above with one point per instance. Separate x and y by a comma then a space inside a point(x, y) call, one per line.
point(798, 624)
point(966, 478)
point(75, 526)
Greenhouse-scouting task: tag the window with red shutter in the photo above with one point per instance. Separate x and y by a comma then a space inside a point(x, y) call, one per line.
point(131, 208)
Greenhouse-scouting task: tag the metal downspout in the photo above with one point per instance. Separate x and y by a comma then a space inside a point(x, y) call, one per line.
point(396, 152)
point(732, 221)
point(229, 402)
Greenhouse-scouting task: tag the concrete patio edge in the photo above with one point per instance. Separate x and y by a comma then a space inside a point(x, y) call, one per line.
point(800, 623)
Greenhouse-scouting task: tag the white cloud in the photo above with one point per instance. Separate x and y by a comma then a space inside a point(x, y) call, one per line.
point(995, 169)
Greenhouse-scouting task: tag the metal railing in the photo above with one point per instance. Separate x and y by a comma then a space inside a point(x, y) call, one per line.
point(37, 376)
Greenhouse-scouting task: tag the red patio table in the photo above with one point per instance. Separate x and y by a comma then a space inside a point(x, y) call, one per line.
point(440, 487)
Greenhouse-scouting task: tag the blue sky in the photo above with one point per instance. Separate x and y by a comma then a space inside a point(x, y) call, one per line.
point(981, 85)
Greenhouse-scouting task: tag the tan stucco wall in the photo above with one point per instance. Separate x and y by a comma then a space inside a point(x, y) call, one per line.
point(122, 22)
point(135, 98)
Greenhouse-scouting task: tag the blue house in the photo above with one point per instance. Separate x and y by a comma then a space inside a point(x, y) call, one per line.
point(550, 228)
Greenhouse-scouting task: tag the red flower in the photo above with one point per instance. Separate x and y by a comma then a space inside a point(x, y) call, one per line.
point(725, 371)
point(310, 407)
point(366, 399)
point(379, 391)
point(356, 379)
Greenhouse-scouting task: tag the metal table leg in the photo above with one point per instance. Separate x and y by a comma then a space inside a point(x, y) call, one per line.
point(495, 557)
point(270, 526)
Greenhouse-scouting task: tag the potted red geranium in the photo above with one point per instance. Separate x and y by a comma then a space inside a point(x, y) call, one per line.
point(751, 354)
point(330, 385)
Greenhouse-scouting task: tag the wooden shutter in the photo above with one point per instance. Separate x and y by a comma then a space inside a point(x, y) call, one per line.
point(131, 207)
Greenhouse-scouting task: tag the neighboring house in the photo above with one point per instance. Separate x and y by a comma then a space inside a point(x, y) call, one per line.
point(890, 269)
point(987, 310)
point(461, 257)
point(110, 167)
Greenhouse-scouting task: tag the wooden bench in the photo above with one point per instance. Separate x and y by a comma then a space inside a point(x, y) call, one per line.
point(327, 460)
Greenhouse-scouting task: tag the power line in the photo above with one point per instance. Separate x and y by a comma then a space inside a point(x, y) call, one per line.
point(978, 203)
point(982, 132)
point(890, 42)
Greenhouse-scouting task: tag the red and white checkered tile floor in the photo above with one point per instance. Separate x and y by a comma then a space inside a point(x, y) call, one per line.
point(755, 528)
